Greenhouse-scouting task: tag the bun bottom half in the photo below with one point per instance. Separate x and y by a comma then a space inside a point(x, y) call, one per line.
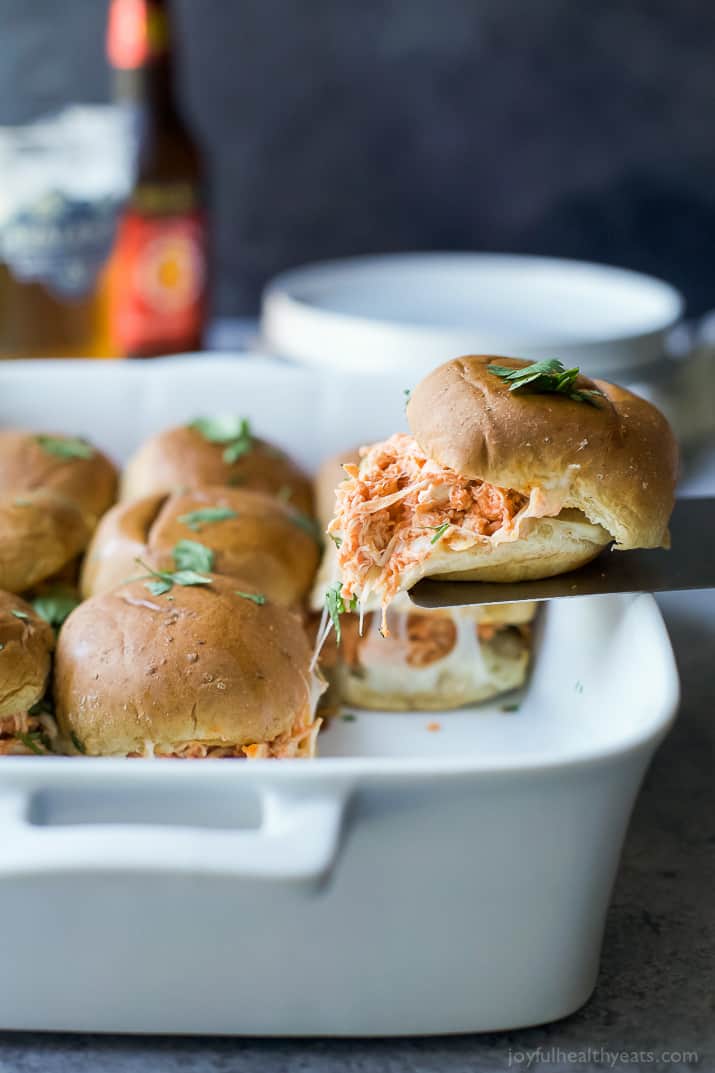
point(452, 684)
point(545, 547)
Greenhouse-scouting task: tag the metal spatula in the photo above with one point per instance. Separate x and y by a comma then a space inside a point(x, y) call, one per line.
point(689, 564)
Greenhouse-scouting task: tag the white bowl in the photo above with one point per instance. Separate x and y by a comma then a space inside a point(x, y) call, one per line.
point(410, 312)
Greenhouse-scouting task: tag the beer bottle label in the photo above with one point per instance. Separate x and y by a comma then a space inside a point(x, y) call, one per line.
point(158, 282)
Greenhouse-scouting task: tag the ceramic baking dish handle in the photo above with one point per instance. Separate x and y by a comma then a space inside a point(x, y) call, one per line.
point(297, 840)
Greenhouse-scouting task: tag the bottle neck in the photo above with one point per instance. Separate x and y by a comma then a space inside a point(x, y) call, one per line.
point(139, 50)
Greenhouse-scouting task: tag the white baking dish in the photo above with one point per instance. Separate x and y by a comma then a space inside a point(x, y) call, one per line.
point(408, 881)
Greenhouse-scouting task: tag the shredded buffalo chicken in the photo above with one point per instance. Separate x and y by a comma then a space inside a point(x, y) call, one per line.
point(427, 638)
point(299, 741)
point(398, 506)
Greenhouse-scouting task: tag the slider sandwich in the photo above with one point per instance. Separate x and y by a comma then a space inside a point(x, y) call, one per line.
point(53, 490)
point(214, 451)
point(424, 659)
point(229, 531)
point(188, 665)
point(26, 641)
point(66, 465)
point(511, 471)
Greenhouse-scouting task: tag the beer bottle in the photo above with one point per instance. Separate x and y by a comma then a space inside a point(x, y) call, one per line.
point(158, 272)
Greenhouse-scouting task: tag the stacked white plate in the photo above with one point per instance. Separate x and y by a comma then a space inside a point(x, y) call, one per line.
point(409, 312)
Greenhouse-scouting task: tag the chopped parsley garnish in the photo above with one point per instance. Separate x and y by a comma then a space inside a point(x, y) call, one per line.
point(510, 707)
point(65, 446)
point(192, 555)
point(19, 614)
point(55, 605)
point(406, 392)
point(546, 377)
point(197, 519)
point(336, 607)
point(337, 541)
point(234, 432)
point(162, 581)
point(439, 531)
point(254, 597)
point(33, 742)
point(348, 717)
point(79, 746)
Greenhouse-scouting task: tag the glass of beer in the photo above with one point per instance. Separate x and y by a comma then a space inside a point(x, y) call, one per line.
point(63, 181)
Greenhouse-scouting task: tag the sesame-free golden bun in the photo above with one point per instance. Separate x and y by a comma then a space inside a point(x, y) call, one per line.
point(181, 458)
point(616, 462)
point(40, 533)
point(26, 642)
point(265, 542)
point(198, 664)
point(26, 465)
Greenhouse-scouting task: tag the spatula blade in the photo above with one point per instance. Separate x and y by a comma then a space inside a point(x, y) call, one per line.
point(688, 564)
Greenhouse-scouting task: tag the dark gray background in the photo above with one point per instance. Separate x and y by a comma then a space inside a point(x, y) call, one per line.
point(347, 126)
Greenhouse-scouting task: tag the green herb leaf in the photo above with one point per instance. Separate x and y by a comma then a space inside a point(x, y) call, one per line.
point(235, 432)
point(337, 541)
point(55, 605)
point(220, 429)
point(158, 588)
point(406, 392)
point(32, 742)
point(79, 746)
point(510, 707)
point(237, 450)
point(348, 717)
point(65, 446)
point(439, 531)
point(19, 614)
point(197, 519)
point(254, 597)
point(161, 581)
point(336, 607)
point(192, 555)
point(546, 377)
point(189, 577)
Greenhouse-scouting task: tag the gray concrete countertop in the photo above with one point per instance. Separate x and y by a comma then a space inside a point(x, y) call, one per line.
point(656, 989)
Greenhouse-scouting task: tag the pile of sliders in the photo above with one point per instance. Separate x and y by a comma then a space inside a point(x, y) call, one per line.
point(195, 618)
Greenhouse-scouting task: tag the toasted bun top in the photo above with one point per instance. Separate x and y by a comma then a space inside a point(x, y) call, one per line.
point(206, 665)
point(615, 461)
point(30, 460)
point(181, 458)
point(258, 538)
point(26, 641)
point(40, 533)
